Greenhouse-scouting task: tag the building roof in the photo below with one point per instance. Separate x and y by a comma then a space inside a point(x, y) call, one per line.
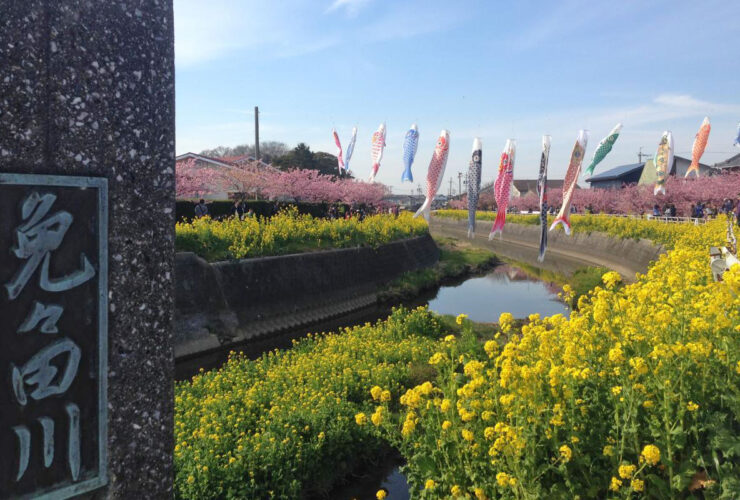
point(616, 172)
point(207, 159)
point(225, 161)
point(527, 185)
point(732, 161)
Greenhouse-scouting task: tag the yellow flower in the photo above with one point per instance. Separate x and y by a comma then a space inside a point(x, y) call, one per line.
point(429, 484)
point(611, 279)
point(381, 494)
point(615, 484)
point(467, 435)
point(191, 479)
point(385, 396)
point(691, 406)
point(566, 453)
point(321, 435)
point(502, 478)
point(446, 405)
point(480, 494)
point(626, 471)
point(460, 318)
point(637, 485)
point(617, 390)
point(491, 348)
point(361, 418)
point(456, 491)
point(608, 451)
point(648, 404)
point(375, 392)
point(449, 338)
point(446, 425)
point(377, 417)
point(505, 321)
point(651, 454)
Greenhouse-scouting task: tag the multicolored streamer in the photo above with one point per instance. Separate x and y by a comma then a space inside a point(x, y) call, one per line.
point(606, 145)
point(340, 161)
point(376, 150)
point(700, 144)
point(663, 162)
point(350, 149)
point(502, 186)
point(542, 192)
point(571, 178)
point(410, 144)
point(435, 173)
point(474, 173)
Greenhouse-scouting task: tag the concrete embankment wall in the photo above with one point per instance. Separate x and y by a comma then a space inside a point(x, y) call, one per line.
point(229, 302)
point(564, 253)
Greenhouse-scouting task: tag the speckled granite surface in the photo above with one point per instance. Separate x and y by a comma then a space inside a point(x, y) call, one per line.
point(87, 88)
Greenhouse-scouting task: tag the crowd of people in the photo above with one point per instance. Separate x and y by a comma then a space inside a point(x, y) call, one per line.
point(701, 210)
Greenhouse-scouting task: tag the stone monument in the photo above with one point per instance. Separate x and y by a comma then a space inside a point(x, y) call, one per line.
point(86, 248)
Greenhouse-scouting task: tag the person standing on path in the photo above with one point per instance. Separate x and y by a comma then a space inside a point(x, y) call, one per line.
point(201, 209)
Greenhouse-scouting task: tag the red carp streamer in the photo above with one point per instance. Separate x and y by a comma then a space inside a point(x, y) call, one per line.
point(571, 178)
point(502, 186)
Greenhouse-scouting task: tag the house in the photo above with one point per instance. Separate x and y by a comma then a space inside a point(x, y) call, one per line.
point(526, 186)
point(227, 162)
point(731, 164)
point(616, 177)
point(223, 162)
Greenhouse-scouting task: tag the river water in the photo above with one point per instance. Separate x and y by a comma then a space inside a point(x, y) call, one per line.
point(505, 289)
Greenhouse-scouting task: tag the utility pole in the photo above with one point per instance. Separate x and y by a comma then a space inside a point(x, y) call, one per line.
point(449, 194)
point(257, 133)
point(459, 183)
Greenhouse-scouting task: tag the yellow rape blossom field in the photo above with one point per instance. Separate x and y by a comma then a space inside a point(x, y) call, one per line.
point(289, 232)
point(636, 395)
point(271, 428)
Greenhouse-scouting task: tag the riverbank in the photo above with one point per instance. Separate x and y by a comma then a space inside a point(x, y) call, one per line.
point(627, 252)
point(457, 260)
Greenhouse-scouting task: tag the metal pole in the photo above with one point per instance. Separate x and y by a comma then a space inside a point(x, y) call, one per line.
point(459, 183)
point(256, 133)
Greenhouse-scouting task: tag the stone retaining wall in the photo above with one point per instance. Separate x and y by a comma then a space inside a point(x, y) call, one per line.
point(522, 241)
point(229, 302)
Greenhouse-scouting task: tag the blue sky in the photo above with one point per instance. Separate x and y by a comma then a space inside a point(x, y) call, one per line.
point(495, 70)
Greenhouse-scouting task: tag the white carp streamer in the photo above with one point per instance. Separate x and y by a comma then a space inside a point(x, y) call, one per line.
point(350, 149)
point(571, 177)
point(663, 162)
point(435, 173)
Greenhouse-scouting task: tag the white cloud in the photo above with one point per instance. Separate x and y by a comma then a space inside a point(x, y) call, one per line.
point(352, 7)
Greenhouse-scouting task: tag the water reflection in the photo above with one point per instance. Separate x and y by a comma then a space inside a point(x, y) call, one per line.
point(505, 289)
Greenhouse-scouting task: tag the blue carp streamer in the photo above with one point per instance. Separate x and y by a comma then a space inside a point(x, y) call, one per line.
point(410, 144)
